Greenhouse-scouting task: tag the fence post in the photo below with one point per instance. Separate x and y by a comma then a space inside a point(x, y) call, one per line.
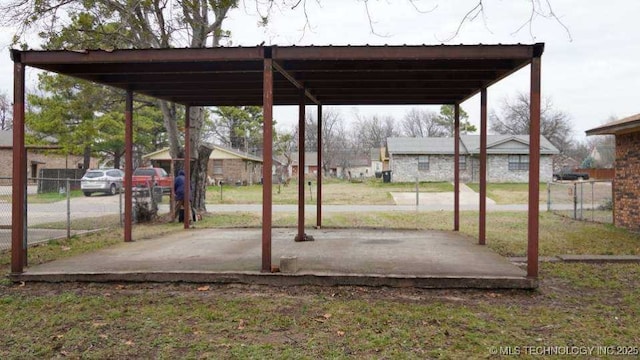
point(417, 193)
point(581, 200)
point(548, 196)
point(575, 201)
point(120, 207)
point(68, 208)
point(593, 209)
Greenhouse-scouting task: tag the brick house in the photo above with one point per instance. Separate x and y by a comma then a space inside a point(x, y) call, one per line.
point(432, 158)
point(310, 163)
point(225, 164)
point(38, 157)
point(626, 181)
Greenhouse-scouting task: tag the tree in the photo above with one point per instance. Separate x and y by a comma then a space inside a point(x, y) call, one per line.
point(238, 127)
point(447, 120)
point(159, 24)
point(284, 145)
point(6, 112)
point(86, 118)
point(372, 132)
point(422, 123)
point(335, 143)
point(76, 24)
point(514, 119)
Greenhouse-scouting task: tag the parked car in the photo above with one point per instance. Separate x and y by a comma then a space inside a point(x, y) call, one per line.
point(107, 181)
point(570, 175)
point(152, 176)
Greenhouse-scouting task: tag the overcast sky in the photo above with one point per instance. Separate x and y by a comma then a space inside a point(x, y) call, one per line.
point(592, 75)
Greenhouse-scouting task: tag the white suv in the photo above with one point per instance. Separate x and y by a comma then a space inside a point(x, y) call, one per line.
point(108, 181)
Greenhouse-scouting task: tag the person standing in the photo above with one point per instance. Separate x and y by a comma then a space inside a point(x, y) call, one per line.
point(178, 190)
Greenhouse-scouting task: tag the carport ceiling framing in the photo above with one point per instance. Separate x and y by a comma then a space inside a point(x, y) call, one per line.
point(330, 75)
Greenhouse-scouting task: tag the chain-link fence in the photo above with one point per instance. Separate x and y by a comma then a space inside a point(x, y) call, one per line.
point(61, 208)
point(581, 200)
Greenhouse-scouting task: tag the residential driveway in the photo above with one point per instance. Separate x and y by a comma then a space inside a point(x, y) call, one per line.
point(440, 200)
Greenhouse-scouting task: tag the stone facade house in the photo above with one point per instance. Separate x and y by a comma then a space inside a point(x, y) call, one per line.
point(432, 158)
point(626, 181)
point(38, 158)
point(228, 165)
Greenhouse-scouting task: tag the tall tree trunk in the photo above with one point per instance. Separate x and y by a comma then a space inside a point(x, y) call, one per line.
point(86, 158)
point(199, 176)
point(170, 123)
point(116, 160)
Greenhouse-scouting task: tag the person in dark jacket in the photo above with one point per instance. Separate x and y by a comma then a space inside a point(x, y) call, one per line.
point(178, 190)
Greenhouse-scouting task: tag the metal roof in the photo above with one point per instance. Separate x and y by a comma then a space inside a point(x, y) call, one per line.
point(428, 145)
point(331, 75)
point(469, 144)
point(472, 143)
point(622, 126)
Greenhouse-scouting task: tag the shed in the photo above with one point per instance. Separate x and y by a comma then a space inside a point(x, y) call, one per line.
point(292, 75)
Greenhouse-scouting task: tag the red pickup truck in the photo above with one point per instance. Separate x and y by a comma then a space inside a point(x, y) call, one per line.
point(143, 177)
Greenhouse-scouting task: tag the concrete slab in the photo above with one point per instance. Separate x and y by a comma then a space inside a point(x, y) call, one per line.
point(338, 256)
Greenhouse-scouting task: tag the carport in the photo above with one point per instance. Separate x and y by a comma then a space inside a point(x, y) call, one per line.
point(272, 75)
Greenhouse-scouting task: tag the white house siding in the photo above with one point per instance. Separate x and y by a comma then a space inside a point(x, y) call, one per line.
point(405, 169)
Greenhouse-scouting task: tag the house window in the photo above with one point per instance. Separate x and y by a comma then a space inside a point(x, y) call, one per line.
point(423, 163)
point(518, 162)
point(462, 165)
point(217, 167)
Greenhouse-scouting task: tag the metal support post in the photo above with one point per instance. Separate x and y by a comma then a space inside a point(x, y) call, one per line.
point(267, 140)
point(128, 167)
point(456, 169)
point(482, 236)
point(320, 169)
point(68, 189)
point(187, 167)
point(534, 167)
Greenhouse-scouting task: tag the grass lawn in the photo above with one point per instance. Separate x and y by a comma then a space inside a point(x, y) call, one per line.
point(580, 305)
point(334, 192)
point(576, 305)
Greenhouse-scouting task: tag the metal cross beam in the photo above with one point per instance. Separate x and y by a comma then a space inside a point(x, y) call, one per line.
point(295, 82)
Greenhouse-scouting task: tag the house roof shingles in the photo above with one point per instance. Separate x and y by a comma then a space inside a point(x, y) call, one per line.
point(628, 124)
point(469, 144)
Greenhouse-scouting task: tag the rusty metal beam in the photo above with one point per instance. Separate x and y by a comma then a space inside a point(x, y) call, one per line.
point(267, 158)
point(419, 52)
point(300, 236)
point(534, 169)
point(187, 166)
point(456, 171)
point(538, 49)
point(19, 181)
point(330, 102)
point(482, 220)
point(128, 166)
point(359, 90)
point(145, 56)
point(295, 82)
point(320, 170)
